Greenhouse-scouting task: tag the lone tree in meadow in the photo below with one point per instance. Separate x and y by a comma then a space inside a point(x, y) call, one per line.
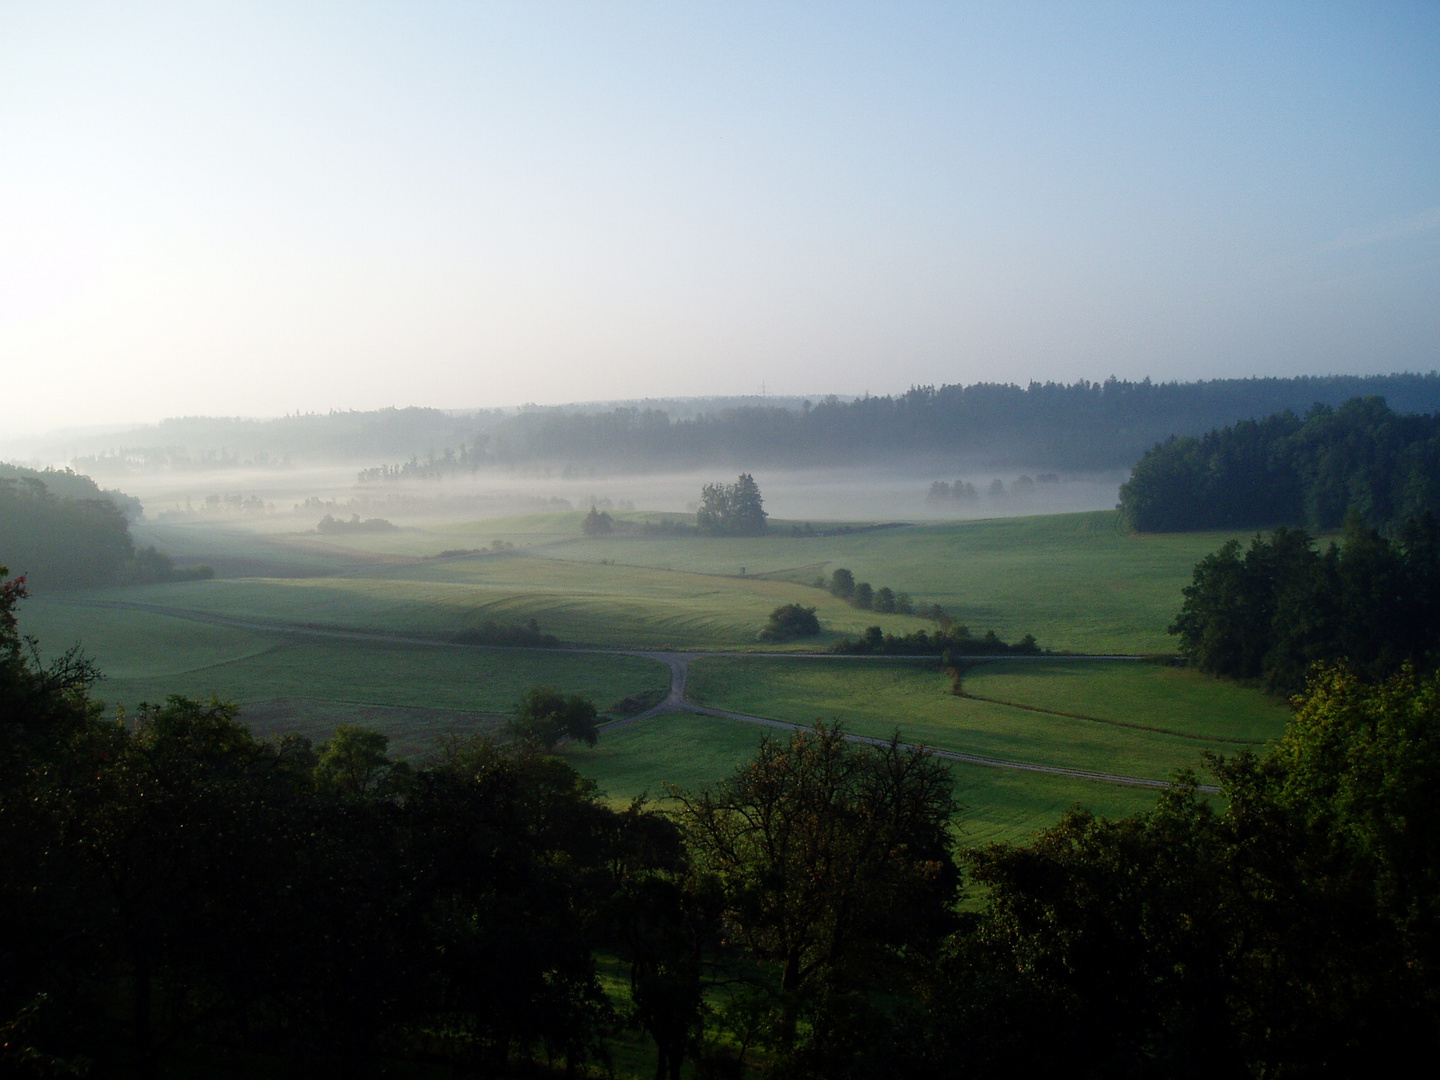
point(732, 509)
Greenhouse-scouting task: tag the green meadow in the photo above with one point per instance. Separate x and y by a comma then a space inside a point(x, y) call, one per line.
point(996, 804)
point(297, 682)
point(1104, 732)
point(1077, 582)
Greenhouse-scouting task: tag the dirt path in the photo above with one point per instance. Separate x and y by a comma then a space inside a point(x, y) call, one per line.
point(678, 663)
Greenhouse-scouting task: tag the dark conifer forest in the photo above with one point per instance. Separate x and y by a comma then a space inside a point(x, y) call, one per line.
point(1361, 458)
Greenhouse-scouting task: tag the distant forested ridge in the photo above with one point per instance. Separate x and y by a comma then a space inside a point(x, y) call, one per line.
point(72, 533)
point(1361, 458)
point(1078, 426)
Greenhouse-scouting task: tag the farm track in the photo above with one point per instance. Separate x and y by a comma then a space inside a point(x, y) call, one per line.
point(678, 664)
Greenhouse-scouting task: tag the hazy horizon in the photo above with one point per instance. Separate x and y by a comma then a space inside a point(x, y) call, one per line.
point(256, 209)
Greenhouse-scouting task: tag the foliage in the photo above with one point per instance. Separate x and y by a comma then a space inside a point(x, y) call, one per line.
point(330, 525)
point(731, 510)
point(544, 717)
point(1359, 459)
point(74, 538)
point(834, 860)
point(514, 635)
point(70, 485)
point(168, 880)
point(1290, 932)
point(790, 621)
point(952, 639)
point(597, 523)
point(1079, 426)
point(1283, 605)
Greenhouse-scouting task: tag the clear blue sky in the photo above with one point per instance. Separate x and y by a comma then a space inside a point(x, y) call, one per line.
point(252, 208)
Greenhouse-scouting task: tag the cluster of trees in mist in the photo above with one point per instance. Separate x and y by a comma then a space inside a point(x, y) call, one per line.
point(732, 509)
point(963, 492)
point(174, 890)
point(1361, 458)
point(58, 529)
point(1072, 427)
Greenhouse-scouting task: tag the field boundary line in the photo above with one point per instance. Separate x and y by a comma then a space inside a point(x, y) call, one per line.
point(1101, 720)
point(948, 755)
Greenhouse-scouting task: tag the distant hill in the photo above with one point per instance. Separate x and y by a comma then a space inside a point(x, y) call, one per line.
point(1074, 427)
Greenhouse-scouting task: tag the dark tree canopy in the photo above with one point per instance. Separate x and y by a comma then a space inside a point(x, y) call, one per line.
point(835, 859)
point(545, 716)
point(597, 523)
point(790, 621)
point(1283, 605)
point(1287, 929)
point(1360, 459)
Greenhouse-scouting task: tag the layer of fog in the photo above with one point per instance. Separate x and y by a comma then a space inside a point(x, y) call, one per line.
point(295, 499)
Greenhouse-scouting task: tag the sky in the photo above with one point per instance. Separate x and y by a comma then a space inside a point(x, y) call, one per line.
point(253, 208)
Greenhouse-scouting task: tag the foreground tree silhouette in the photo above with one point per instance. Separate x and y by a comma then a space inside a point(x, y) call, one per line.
point(834, 860)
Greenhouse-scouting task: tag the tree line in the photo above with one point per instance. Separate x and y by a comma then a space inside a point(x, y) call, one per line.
point(1361, 458)
point(76, 535)
point(1076, 426)
point(173, 889)
point(1271, 611)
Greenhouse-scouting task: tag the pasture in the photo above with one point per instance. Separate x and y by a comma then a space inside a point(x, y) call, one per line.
point(308, 683)
point(1128, 718)
point(1076, 581)
point(996, 804)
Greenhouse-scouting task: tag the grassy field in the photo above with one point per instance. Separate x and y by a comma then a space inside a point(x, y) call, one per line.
point(1077, 581)
point(696, 751)
point(414, 693)
point(880, 697)
point(1148, 696)
point(618, 606)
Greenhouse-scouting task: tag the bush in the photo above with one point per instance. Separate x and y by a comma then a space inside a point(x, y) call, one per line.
point(791, 621)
